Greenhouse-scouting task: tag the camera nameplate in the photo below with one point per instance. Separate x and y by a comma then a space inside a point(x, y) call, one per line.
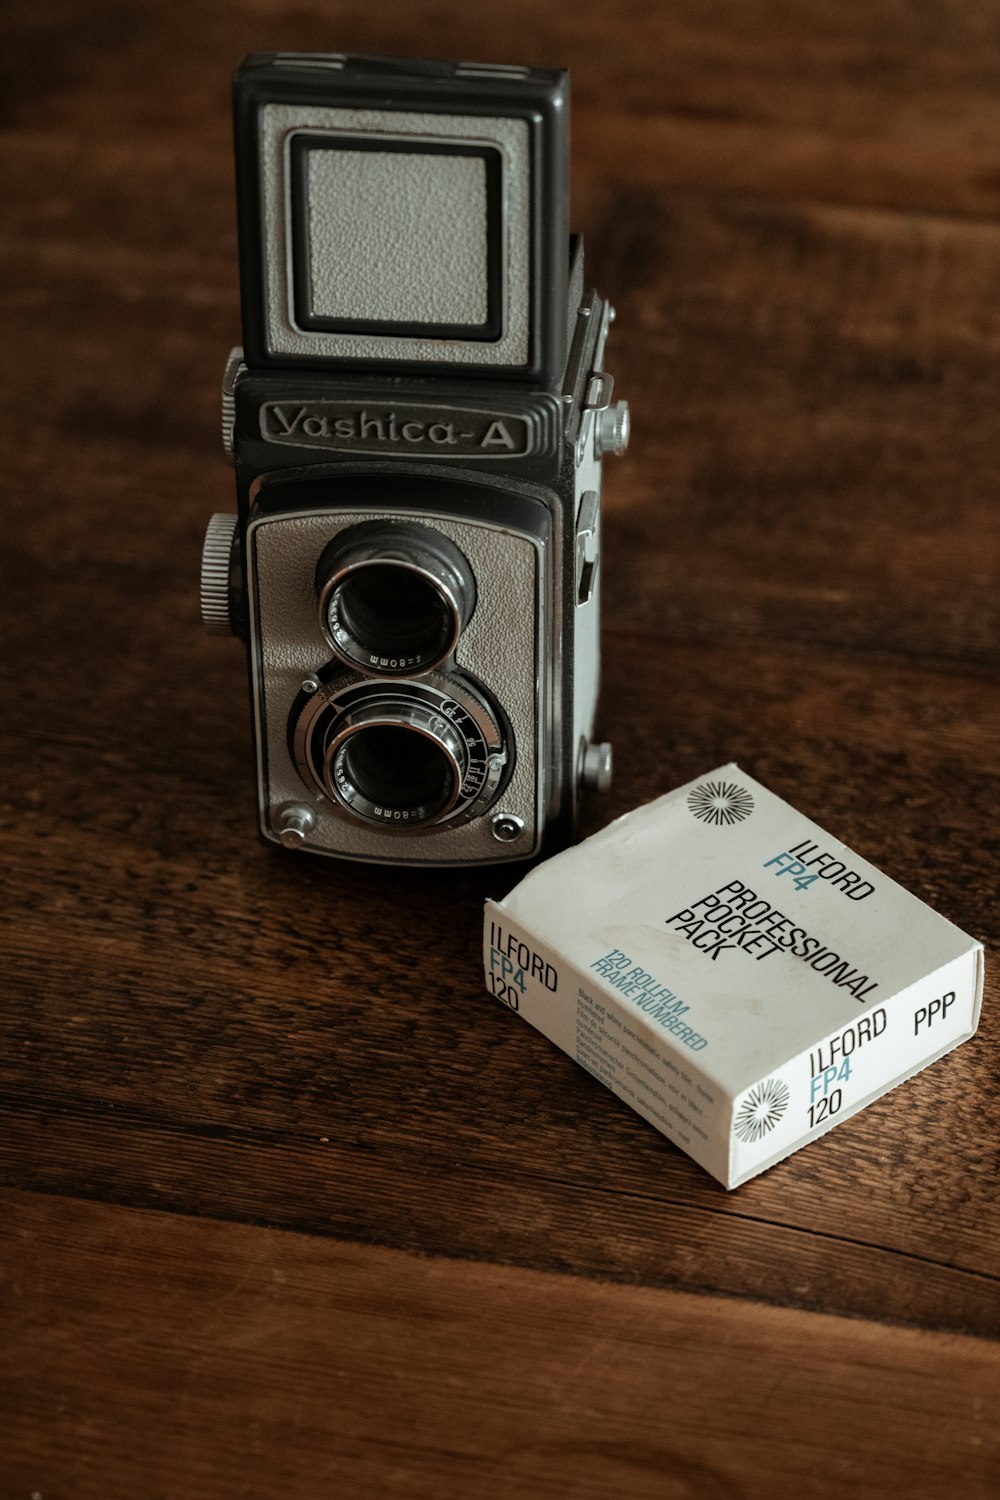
point(416, 429)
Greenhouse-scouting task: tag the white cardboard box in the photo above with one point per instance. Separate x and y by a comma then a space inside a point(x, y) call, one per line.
point(731, 971)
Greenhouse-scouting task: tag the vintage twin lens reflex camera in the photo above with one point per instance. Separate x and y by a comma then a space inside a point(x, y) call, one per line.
point(417, 418)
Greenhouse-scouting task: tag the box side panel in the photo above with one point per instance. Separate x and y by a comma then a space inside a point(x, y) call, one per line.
point(653, 1073)
point(647, 1070)
point(811, 1093)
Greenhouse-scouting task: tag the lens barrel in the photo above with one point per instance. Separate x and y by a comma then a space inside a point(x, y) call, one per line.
point(406, 755)
point(395, 743)
point(396, 766)
point(394, 597)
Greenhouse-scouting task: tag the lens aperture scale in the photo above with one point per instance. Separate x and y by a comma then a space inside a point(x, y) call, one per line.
point(354, 736)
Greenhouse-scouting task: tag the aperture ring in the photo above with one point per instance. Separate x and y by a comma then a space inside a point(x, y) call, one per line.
point(448, 712)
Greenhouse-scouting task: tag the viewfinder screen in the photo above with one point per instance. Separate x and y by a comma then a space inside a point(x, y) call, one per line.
point(400, 237)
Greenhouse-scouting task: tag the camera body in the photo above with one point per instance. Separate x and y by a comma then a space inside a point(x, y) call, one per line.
point(417, 418)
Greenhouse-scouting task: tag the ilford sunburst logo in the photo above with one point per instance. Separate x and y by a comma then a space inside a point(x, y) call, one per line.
point(761, 1110)
point(720, 802)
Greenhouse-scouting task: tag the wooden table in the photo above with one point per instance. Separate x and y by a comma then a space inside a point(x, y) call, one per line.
point(290, 1207)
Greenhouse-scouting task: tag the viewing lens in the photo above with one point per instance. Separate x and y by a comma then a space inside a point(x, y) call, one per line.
point(392, 611)
point(394, 597)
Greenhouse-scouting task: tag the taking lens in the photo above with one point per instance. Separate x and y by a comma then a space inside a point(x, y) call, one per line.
point(402, 755)
point(398, 768)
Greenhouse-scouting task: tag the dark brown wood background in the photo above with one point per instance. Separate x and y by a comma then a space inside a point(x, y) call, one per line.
point(290, 1208)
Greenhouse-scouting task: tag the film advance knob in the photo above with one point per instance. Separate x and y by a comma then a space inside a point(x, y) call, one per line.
point(216, 555)
point(234, 369)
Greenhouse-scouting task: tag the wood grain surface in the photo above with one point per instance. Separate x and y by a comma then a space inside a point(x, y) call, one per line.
point(428, 1376)
point(290, 1206)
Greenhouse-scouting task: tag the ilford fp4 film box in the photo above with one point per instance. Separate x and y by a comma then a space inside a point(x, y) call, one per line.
point(739, 977)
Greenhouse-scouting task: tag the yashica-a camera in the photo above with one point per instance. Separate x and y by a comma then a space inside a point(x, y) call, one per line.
point(417, 417)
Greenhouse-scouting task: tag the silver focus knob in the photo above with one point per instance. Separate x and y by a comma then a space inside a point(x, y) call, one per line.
point(612, 428)
point(216, 555)
point(595, 767)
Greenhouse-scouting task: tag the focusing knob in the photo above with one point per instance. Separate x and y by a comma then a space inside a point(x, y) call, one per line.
point(595, 766)
point(611, 434)
point(216, 560)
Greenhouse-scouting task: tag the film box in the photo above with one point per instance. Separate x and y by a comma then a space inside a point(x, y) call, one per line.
point(739, 977)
